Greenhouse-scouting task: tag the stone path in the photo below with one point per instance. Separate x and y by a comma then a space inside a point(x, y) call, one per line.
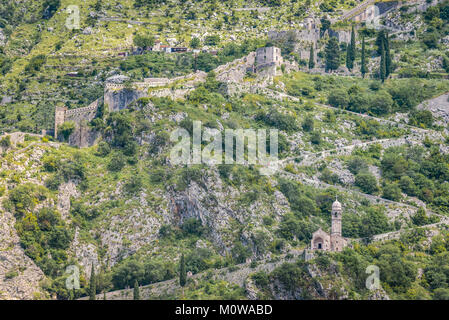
point(236, 275)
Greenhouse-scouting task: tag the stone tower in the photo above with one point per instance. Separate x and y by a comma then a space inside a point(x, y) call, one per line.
point(336, 218)
point(337, 241)
point(59, 118)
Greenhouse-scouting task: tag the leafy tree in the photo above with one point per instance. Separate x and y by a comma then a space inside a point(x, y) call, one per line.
point(421, 118)
point(212, 40)
point(117, 162)
point(420, 217)
point(125, 274)
point(5, 142)
point(315, 137)
point(291, 226)
point(397, 272)
point(35, 63)
point(357, 164)
point(367, 182)
point(308, 124)
point(66, 129)
point(441, 294)
point(431, 39)
point(392, 191)
point(408, 186)
point(5, 64)
point(193, 226)
point(143, 41)
point(240, 252)
point(49, 8)
point(393, 166)
point(338, 98)
point(278, 120)
point(195, 43)
point(381, 103)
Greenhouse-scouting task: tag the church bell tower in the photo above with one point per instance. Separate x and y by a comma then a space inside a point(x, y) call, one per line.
point(337, 241)
point(336, 219)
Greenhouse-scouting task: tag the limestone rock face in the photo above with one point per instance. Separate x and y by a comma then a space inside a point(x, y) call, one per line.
point(439, 107)
point(19, 276)
point(120, 99)
point(66, 190)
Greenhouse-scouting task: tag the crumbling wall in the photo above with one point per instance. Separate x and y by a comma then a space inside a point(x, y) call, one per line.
point(83, 136)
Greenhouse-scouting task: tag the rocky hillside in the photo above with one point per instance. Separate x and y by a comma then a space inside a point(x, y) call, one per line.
point(375, 137)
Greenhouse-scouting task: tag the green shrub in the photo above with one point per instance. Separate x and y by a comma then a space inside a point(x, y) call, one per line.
point(366, 182)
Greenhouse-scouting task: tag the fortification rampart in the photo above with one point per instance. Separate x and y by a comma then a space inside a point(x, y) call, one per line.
point(118, 96)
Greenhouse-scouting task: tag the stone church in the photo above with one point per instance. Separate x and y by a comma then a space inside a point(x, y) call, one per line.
point(321, 240)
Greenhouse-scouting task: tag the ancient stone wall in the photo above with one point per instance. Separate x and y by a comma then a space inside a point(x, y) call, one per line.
point(83, 136)
point(82, 114)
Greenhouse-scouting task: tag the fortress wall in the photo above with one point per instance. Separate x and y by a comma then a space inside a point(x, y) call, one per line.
point(82, 114)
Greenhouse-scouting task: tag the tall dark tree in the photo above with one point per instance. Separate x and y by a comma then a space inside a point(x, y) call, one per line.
point(182, 272)
point(349, 62)
point(380, 41)
point(325, 25)
point(311, 58)
point(387, 55)
point(92, 284)
point(332, 53)
point(363, 62)
point(353, 48)
point(383, 67)
point(136, 294)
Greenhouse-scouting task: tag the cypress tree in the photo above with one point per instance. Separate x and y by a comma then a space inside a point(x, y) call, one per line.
point(387, 55)
point(349, 62)
point(363, 62)
point(382, 71)
point(136, 291)
point(182, 272)
point(353, 46)
point(311, 58)
point(92, 284)
point(380, 41)
point(332, 52)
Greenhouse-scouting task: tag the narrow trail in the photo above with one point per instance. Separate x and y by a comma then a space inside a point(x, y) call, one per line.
point(236, 274)
point(376, 199)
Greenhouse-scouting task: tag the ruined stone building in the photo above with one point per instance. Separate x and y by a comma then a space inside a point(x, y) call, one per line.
point(82, 135)
point(119, 94)
point(268, 57)
point(334, 241)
